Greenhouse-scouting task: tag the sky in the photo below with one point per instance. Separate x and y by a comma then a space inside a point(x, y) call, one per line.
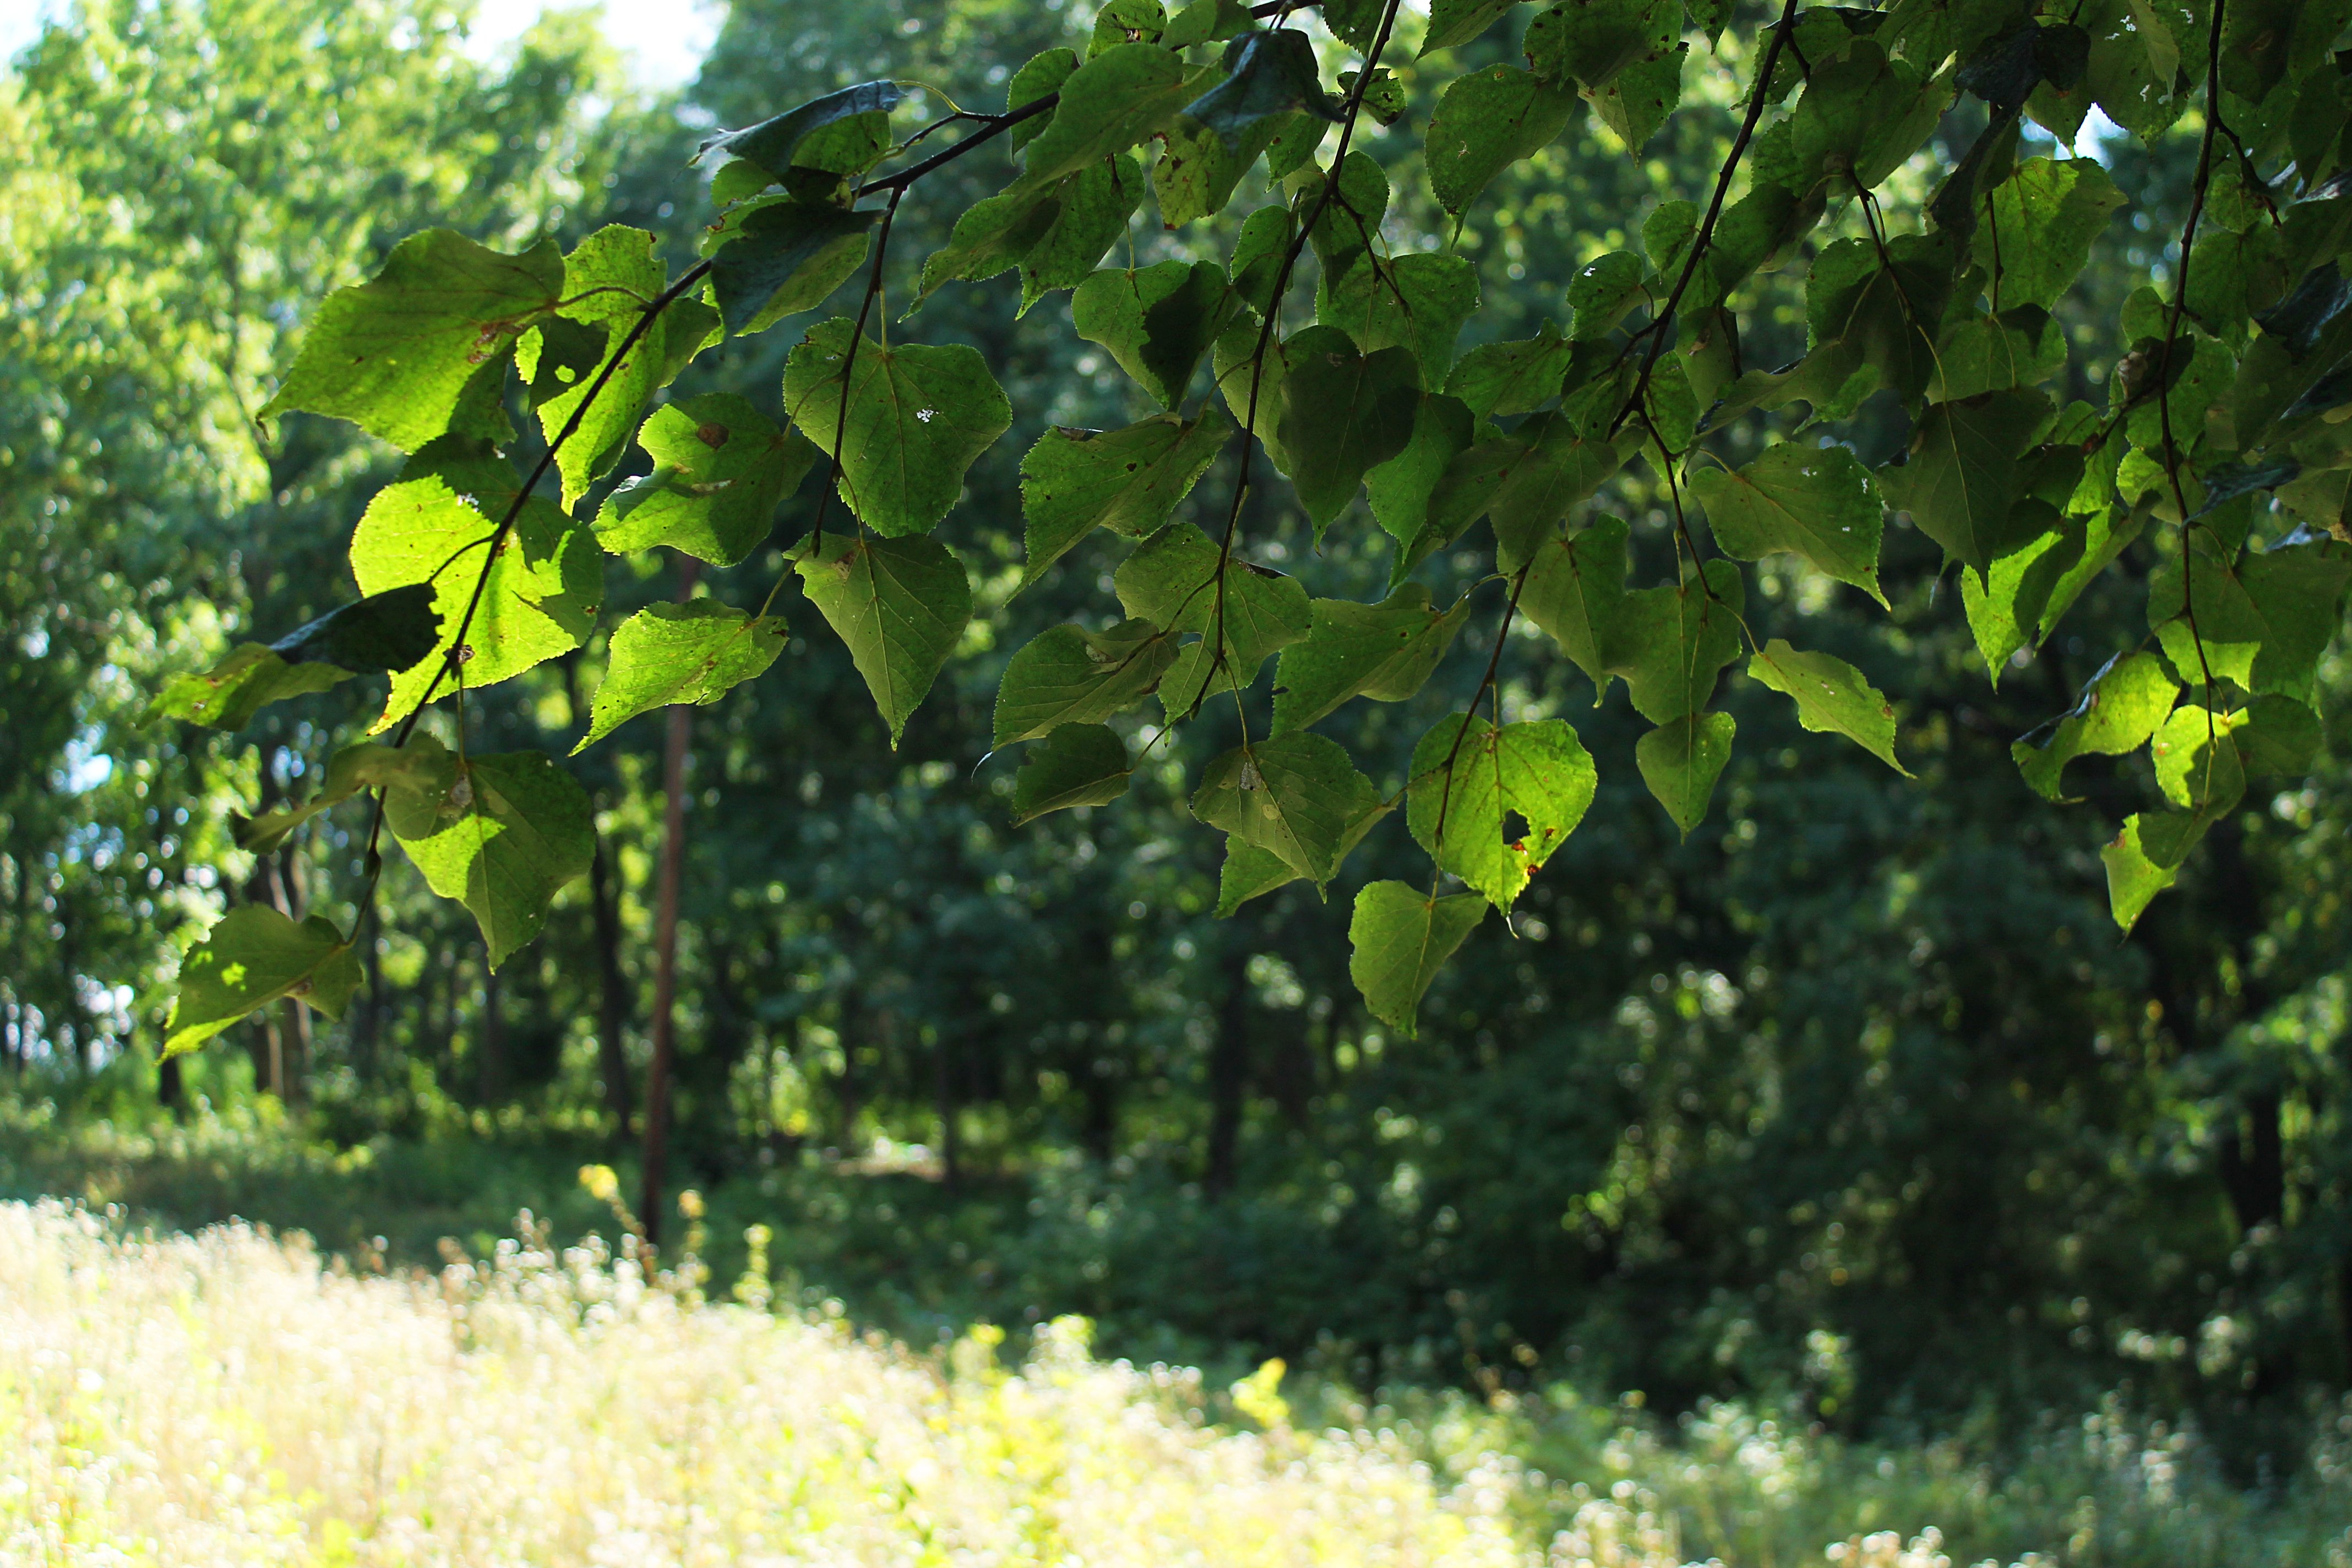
point(662, 41)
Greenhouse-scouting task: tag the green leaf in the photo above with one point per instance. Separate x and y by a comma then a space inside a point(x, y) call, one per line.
point(2196, 762)
point(230, 693)
point(1045, 73)
point(1603, 291)
point(784, 258)
point(1126, 22)
point(1268, 75)
point(422, 767)
point(1296, 795)
point(1681, 760)
point(1575, 590)
point(1418, 300)
point(1486, 122)
point(2135, 876)
point(1114, 101)
point(1453, 22)
point(387, 631)
point(1097, 204)
point(1401, 489)
point(607, 282)
point(693, 652)
point(1385, 651)
point(1400, 939)
point(251, 957)
point(1173, 580)
point(1676, 638)
point(720, 469)
point(394, 355)
point(2263, 624)
point(1816, 502)
point(1350, 216)
point(1249, 871)
point(771, 142)
point(1158, 322)
point(1079, 764)
point(1343, 414)
point(1075, 481)
point(2277, 735)
point(2119, 709)
point(900, 604)
point(2005, 608)
point(1068, 675)
point(509, 833)
point(917, 414)
point(1527, 482)
point(1961, 484)
point(1515, 377)
point(1832, 697)
point(1624, 54)
point(382, 633)
point(1470, 780)
point(991, 237)
point(434, 526)
point(1207, 22)
point(2046, 214)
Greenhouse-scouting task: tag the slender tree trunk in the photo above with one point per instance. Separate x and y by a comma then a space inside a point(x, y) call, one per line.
point(169, 1093)
point(1228, 1070)
point(367, 1023)
point(666, 881)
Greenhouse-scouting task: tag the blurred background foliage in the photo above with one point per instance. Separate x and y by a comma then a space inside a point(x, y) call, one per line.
point(1852, 1107)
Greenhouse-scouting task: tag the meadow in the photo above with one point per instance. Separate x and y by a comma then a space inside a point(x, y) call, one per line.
point(231, 1397)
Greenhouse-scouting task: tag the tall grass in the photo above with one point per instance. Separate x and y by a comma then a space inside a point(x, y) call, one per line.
point(223, 1399)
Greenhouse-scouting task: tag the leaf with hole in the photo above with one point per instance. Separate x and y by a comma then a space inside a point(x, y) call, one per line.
point(1492, 804)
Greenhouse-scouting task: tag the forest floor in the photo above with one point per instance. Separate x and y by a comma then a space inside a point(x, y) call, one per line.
point(183, 1385)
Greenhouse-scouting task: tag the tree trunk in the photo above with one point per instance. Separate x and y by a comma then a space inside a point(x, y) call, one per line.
point(1228, 1069)
point(666, 881)
point(2253, 1168)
